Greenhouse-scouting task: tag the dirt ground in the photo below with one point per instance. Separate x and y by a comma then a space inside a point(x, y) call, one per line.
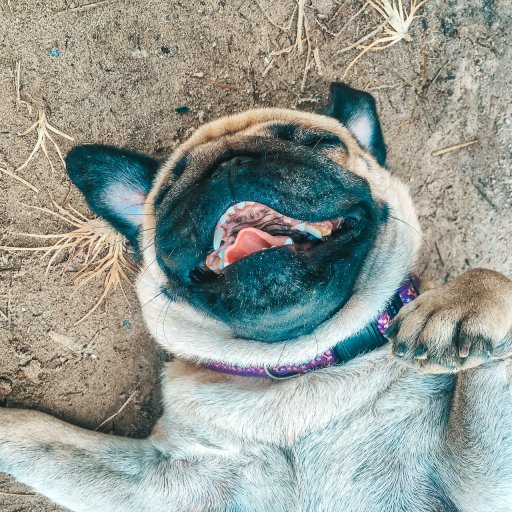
point(116, 71)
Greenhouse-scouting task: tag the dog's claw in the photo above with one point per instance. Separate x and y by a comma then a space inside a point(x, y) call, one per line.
point(421, 353)
point(460, 326)
point(401, 349)
point(464, 349)
point(391, 331)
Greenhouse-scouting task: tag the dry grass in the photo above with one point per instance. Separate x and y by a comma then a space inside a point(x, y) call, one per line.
point(393, 29)
point(304, 38)
point(100, 247)
point(20, 102)
point(19, 178)
point(44, 132)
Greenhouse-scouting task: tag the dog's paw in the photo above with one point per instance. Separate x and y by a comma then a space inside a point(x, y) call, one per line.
point(457, 326)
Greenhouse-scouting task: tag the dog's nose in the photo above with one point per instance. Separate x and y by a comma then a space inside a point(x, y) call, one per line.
point(234, 167)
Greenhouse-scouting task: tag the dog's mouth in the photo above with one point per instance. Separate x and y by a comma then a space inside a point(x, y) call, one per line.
point(248, 227)
point(271, 244)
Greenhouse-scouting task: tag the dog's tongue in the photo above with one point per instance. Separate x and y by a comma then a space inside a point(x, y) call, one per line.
point(251, 240)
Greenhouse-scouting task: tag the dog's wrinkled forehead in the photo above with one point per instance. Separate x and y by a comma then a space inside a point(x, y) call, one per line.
point(256, 131)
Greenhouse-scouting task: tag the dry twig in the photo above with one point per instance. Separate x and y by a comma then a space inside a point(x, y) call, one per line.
point(454, 147)
point(115, 415)
point(300, 26)
point(84, 7)
point(17, 87)
point(302, 35)
point(28, 494)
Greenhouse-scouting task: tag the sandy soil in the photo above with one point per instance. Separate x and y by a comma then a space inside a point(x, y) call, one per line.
point(124, 67)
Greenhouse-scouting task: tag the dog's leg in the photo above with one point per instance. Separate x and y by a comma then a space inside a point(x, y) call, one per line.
point(88, 471)
point(460, 325)
point(79, 469)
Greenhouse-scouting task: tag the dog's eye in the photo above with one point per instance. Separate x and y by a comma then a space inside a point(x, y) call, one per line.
point(306, 137)
point(179, 166)
point(176, 171)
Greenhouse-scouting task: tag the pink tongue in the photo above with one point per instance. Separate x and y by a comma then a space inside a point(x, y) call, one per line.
point(251, 240)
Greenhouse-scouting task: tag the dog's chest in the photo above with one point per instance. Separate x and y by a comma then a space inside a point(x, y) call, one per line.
point(395, 441)
point(383, 456)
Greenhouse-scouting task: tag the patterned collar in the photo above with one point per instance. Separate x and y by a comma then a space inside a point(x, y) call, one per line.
point(370, 338)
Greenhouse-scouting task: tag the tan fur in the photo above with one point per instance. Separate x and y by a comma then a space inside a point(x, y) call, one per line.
point(453, 334)
point(186, 332)
point(371, 435)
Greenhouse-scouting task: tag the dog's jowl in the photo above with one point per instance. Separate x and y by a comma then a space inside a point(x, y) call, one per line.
point(309, 373)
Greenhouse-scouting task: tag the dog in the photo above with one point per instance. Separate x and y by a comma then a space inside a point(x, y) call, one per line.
point(275, 249)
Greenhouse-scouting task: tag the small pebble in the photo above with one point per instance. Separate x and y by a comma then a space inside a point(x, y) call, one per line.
point(54, 52)
point(126, 323)
point(5, 386)
point(182, 110)
point(165, 50)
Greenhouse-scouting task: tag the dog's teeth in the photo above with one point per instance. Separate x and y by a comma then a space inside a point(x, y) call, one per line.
point(300, 227)
point(230, 210)
point(288, 241)
point(318, 232)
point(217, 237)
point(242, 204)
point(222, 262)
point(223, 219)
point(312, 230)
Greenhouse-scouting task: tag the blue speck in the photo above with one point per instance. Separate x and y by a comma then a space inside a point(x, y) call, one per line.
point(54, 52)
point(182, 110)
point(127, 324)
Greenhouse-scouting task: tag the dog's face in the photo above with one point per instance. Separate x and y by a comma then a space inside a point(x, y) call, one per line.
point(264, 230)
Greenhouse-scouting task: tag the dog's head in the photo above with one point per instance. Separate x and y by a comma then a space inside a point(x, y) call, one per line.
point(266, 237)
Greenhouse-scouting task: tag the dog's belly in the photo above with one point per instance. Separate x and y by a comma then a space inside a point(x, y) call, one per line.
point(428, 443)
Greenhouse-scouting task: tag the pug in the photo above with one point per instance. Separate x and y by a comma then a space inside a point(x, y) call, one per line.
point(308, 372)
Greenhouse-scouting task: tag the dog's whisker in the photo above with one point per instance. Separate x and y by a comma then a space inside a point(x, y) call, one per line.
point(413, 228)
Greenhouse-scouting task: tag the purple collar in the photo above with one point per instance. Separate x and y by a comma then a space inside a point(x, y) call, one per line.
point(370, 338)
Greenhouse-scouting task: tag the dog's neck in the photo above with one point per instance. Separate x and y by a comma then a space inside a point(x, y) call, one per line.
point(370, 338)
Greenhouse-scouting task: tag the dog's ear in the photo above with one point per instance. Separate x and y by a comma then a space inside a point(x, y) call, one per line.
point(357, 111)
point(115, 183)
